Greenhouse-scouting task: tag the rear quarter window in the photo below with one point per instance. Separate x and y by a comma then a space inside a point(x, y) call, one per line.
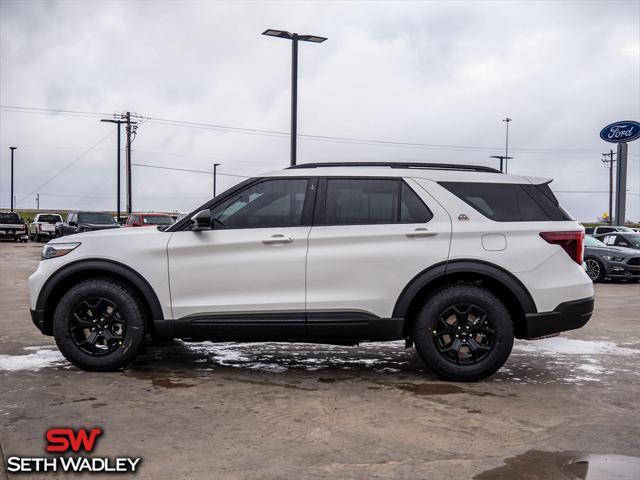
point(510, 202)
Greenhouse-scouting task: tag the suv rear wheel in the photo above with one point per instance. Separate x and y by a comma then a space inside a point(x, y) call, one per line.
point(464, 333)
point(99, 325)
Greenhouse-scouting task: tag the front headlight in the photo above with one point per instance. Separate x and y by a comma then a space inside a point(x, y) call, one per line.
point(609, 258)
point(53, 250)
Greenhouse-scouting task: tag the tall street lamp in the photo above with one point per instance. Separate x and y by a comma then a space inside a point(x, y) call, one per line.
point(294, 37)
point(12, 150)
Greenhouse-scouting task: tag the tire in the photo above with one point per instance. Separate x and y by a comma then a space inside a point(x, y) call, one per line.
point(595, 269)
point(456, 319)
point(115, 342)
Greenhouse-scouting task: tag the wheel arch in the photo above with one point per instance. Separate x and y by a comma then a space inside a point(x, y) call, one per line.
point(496, 279)
point(64, 278)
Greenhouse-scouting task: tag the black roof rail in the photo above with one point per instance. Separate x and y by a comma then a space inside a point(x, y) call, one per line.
point(426, 166)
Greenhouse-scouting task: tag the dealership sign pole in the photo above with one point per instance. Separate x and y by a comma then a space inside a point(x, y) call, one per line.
point(621, 133)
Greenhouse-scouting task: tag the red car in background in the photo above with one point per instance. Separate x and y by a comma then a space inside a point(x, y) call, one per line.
point(148, 220)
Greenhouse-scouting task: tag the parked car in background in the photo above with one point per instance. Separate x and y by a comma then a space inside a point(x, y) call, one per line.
point(44, 226)
point(606, 261)
point(148, 220)
point(602, 229)
point(78, 222)
point(621, 239)
point(12, 227)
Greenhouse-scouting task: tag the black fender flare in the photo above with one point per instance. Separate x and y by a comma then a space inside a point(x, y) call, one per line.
point(111, 267)
point(444, 269)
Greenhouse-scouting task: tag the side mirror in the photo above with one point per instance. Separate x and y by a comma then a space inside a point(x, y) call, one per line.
point(201, 221)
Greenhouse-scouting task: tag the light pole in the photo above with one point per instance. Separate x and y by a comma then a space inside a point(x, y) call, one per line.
point(506, 148)
point(294, 37)
point(215, 171)
point(12, 199)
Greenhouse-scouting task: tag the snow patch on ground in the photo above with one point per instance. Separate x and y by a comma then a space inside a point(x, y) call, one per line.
point(567, 346)
point(41, 358)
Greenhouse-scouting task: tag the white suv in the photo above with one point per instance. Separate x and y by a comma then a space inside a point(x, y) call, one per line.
point(455, 259)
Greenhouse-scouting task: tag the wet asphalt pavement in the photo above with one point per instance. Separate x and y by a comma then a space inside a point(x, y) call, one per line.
point(564, 408)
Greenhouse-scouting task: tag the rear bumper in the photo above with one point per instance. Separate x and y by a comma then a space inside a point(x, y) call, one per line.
point(566, 316)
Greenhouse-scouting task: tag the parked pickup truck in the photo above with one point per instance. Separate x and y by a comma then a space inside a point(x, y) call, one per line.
point(78, 222)
point(44, 226)
point(12, 227)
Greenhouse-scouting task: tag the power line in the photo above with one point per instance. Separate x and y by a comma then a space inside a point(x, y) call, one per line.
point(327, 138)
point(187, 170)
point(73, 162)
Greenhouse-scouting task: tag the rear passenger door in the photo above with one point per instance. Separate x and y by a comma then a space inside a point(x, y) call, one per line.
point(370, 237)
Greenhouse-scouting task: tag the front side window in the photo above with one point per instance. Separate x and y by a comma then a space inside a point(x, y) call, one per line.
point(371, 201)
point(266, 204)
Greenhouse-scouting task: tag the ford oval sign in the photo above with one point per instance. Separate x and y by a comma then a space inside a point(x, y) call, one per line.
point(619, 132)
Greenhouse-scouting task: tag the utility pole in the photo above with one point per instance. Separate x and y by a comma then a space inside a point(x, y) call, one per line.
point(13, 200)
point(37, 201)
point(215, 171)
point(131, 130)
point(506, 148)
point(610, 162)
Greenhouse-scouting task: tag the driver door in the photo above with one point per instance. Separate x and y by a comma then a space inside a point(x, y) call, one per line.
point(246, 276)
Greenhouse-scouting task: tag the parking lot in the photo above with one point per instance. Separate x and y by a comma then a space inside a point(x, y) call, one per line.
point(564, 407)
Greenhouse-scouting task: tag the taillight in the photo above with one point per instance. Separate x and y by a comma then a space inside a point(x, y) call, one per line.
point(571, 242)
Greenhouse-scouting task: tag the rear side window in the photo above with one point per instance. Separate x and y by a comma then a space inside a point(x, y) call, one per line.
point(510, 202)
point(372, 201)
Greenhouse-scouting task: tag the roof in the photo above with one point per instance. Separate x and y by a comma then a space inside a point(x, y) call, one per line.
point(433, 172)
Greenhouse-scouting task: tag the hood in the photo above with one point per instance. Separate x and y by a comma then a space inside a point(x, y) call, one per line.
point(107, 233)
point(629, 252)
point(97, 226)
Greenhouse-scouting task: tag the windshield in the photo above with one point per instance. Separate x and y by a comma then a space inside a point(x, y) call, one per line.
point(95, 217)
point(49, 218)
point(7, 217)
point(633, 238)
point(157, 220)
point(593, 242)
point(625, 229)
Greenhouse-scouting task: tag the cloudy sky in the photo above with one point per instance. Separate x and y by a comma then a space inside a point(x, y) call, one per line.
point(438, 74)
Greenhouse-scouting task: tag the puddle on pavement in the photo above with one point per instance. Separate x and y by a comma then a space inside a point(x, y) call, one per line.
point(432, 388)
point(157, 380)
point(540, 465)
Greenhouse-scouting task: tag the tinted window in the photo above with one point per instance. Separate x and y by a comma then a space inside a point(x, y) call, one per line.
point(504, 202)
point(49, 218)
point(9, 218)
point(95, 217)
point(267, 204)
point(360, 201)
point(157, 220)
point(606, 229)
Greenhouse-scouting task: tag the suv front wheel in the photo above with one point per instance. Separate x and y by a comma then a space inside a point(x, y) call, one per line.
point(99, 325)
point(464, 333)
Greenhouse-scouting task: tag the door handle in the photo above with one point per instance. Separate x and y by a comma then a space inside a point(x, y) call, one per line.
point(278, 238)
point(421, 232)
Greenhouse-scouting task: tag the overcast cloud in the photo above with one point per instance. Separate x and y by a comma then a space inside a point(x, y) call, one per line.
point(441, 73)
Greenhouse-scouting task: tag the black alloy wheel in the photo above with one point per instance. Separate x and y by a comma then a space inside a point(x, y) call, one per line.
point(97, 327)
point(464, 334)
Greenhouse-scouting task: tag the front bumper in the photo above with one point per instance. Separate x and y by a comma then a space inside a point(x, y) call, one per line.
point(37, 317)
point(566, 316)
point(622, 270)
